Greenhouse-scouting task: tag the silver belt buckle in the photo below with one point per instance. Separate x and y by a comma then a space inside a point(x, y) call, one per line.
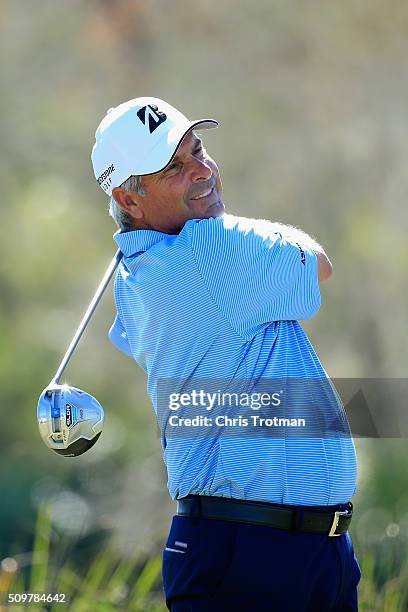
point(336, 518)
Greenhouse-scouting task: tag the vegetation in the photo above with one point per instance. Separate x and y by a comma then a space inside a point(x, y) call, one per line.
point(312, 101)
point(109, 582)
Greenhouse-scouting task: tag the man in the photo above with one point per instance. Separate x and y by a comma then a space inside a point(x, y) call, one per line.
point(208, 305)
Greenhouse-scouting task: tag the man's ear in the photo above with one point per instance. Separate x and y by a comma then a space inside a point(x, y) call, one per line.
point(128, 201)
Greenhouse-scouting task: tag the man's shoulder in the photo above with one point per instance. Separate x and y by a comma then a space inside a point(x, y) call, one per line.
point(232, 226)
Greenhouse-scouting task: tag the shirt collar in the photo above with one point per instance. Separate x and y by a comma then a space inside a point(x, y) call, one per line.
point(137, 241)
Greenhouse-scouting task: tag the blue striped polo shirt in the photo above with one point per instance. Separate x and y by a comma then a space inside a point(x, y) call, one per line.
point(220, 302)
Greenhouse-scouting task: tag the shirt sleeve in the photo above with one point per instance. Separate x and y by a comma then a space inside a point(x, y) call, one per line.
point(118, 337)
point(254, 274)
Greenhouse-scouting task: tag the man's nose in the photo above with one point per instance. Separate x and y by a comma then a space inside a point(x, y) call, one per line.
point(201, 170)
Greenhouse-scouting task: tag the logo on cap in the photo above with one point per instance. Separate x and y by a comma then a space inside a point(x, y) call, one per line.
point(105, 174)
point(155, 116)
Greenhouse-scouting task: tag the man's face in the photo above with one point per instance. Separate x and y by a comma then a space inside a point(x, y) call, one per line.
point(188, 188)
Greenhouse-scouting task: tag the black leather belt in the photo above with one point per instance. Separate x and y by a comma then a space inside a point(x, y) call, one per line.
point(331, 520)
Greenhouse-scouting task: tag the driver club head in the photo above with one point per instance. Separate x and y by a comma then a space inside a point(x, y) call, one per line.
point(70, 420)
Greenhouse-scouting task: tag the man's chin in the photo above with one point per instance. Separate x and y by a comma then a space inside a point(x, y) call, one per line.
point(217, 209)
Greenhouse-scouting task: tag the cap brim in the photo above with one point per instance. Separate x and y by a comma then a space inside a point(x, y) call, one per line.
point(175, 136)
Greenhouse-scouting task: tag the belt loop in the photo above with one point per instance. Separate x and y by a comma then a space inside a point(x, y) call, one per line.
point(297, 519)
point(348, 507)
point(196, 508)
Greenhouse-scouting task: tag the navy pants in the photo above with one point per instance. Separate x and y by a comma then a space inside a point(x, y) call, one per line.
point(219, 566)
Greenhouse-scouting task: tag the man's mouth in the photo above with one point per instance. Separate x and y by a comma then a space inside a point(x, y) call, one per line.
point(204, 194)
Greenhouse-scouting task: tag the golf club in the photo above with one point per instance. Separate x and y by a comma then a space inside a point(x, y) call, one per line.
point(69, 419)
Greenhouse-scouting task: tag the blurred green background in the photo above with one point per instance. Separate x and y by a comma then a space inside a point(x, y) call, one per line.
point(312, 98)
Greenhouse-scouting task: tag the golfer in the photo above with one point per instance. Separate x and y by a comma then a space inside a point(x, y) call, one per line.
point(208, 305)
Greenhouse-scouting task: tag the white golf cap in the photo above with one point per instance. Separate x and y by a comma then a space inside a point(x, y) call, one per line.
point(139, 137)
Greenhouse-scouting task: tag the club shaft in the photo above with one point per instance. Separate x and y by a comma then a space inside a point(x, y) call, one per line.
point(87, 316)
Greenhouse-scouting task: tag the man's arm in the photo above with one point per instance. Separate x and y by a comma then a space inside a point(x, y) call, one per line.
point(254, 272)
point(303, 240)
point(118, 337)
point(324, 266)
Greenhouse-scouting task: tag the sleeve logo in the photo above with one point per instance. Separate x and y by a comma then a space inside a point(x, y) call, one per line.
point(302, 254)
